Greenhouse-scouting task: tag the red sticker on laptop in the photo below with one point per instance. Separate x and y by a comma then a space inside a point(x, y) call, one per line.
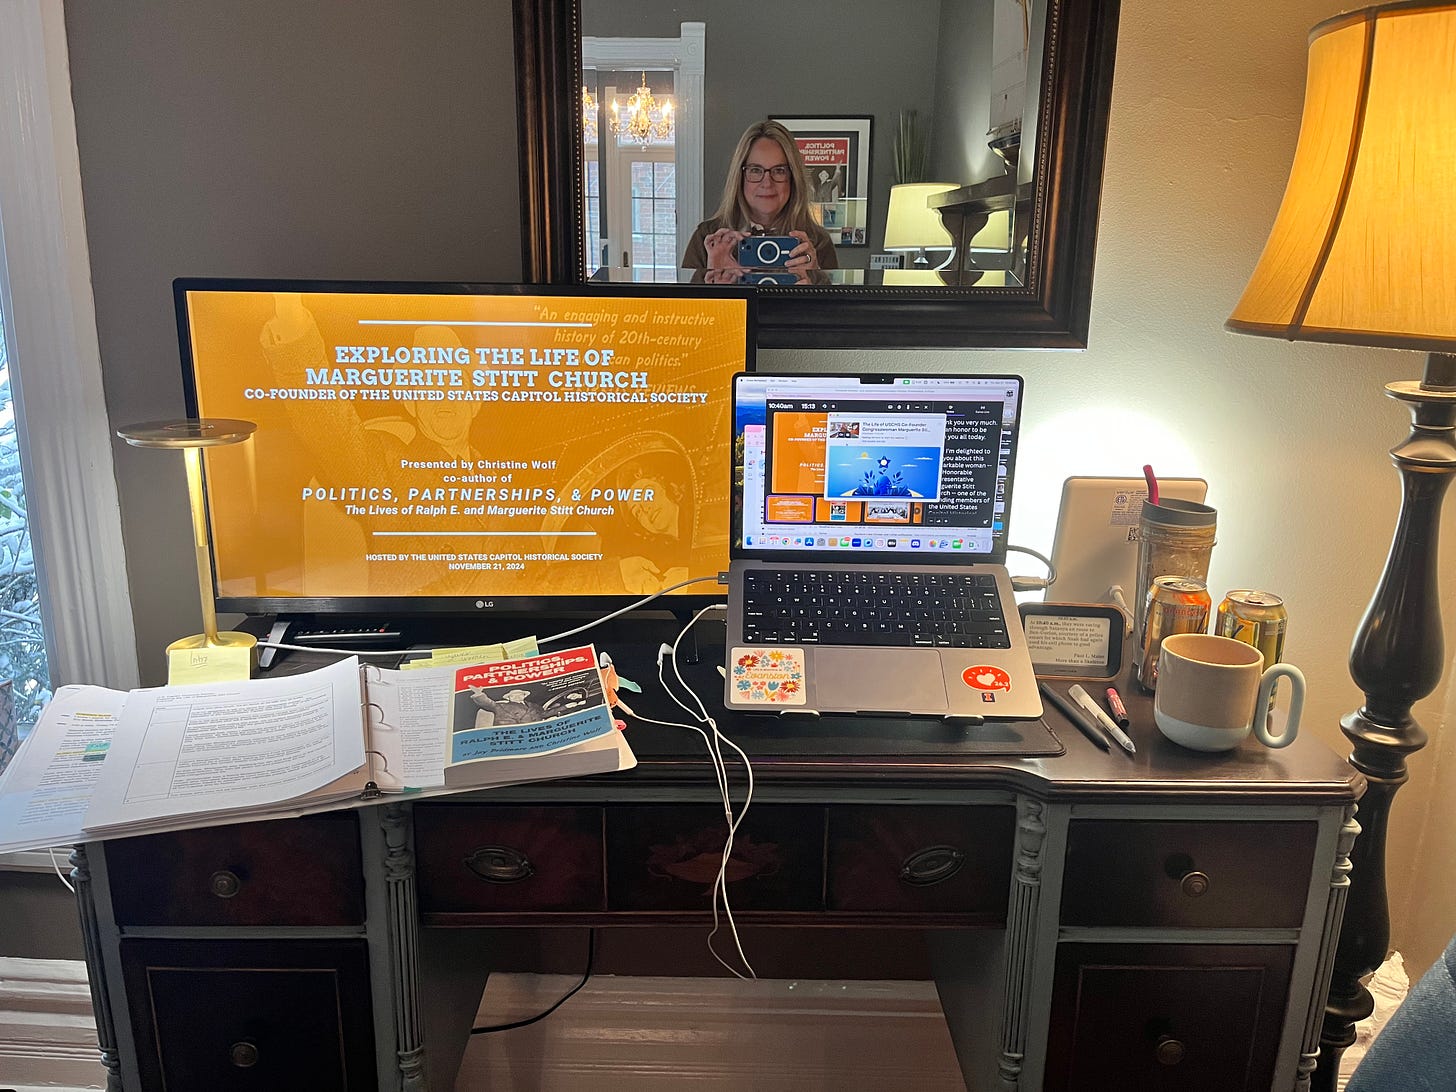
point(985, 677)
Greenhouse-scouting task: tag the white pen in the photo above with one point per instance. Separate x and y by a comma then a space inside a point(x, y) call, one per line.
point(1084, 699)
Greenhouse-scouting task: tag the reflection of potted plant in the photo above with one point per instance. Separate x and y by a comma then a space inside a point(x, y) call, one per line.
point(912, 149)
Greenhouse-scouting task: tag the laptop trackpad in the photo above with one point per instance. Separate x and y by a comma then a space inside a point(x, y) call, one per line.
point(879, 680)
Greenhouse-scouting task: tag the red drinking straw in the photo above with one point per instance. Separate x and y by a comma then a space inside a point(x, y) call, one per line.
point(1152, 482)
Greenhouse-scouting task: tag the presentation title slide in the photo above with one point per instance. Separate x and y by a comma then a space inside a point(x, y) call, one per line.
point(467, 445)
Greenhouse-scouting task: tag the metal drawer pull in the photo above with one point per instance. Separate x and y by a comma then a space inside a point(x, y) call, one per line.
point(224, 884)
point(1191, 882)
point(500, 864)
point(1195, 884)
point(1169, 1051)
point(243, 1055)
point(931, 866)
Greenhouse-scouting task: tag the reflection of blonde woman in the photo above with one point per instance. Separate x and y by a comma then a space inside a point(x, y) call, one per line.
point(767, 193)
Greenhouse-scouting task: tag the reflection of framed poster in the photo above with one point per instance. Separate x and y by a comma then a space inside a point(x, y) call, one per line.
point(836, 151)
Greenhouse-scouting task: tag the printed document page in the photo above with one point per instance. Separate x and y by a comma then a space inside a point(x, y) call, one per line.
point(48, 784)
point(409, 713)
point(221, 747)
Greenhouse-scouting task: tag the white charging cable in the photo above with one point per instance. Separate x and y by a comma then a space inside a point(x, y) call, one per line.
point(57, 866)
point(714, 739)
point(1116, 596)
point(631, 607)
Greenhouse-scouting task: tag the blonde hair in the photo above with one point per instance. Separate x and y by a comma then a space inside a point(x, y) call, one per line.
point(733, 211)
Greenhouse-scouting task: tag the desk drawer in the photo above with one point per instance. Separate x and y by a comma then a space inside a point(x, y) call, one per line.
point(666, 857)
point(483, 858)
point(1184, 1017)
point(284, 872)
point(921, 860)
point(1199, 874)
point(251, 1015)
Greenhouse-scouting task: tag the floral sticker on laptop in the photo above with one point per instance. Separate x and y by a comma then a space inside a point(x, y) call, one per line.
point(768, 676)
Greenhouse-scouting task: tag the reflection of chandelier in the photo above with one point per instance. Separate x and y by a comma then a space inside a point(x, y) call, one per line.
point(646, 120)
point(588, 115)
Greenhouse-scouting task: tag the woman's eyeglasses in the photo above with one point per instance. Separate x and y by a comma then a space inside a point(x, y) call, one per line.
point(755, 173)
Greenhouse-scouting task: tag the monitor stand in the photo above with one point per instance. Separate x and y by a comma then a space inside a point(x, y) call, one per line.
point(325, 631)
point(689, 650)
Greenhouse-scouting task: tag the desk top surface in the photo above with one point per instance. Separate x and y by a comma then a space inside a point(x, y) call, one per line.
point(868, 752)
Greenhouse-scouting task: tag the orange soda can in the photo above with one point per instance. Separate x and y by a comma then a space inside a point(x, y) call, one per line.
point(1176, 604)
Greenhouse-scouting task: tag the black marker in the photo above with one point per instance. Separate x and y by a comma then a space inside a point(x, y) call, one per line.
point(1076, 716)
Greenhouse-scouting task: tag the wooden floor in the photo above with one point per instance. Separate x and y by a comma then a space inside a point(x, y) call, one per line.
point(616, 1035)
point(644, 1034)
point(47, 1029)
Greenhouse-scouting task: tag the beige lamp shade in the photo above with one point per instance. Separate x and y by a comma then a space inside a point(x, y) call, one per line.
point(911, 223)
point(1363, 250)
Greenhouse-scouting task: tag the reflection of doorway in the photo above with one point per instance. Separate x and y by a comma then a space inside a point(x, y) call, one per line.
point(610, 170)
point(639, 199)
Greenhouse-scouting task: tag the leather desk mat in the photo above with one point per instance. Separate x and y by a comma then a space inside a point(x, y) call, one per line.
point(803, 734)
point(799, 735)
point(634, 648)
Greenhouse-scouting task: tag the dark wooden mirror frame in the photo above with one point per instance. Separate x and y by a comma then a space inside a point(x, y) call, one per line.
point(1051, 311)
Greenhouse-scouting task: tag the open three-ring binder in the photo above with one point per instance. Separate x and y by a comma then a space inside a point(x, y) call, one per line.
point(105, 763)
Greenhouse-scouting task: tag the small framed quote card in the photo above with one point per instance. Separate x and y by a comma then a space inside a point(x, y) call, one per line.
point(1074, 640)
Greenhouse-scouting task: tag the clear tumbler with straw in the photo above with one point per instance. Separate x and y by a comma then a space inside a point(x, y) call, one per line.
point(1175, 538)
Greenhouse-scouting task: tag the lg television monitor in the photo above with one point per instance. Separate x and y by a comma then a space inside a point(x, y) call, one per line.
point(464, 448)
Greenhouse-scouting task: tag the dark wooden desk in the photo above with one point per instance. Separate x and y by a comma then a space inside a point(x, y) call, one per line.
point(1094, 921)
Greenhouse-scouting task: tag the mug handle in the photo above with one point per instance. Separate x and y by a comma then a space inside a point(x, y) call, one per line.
point(1296, 705)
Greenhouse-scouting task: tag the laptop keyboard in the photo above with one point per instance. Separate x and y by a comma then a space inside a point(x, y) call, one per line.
point(951, 610)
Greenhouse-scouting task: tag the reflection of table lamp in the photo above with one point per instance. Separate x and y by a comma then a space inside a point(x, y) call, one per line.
point(922, 277)
point(1363, 251)
point(207, 656)
point(911, 224)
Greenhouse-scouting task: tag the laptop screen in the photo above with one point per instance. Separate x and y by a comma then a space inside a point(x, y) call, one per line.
point(897, 467)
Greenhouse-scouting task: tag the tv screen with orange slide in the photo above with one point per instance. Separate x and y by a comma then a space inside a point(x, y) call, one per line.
point(463, 448)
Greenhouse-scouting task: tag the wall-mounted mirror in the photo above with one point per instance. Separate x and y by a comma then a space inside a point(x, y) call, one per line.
point(960, 140)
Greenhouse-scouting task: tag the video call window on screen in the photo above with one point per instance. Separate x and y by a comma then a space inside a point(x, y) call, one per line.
point(463, 447)
point(885, 468)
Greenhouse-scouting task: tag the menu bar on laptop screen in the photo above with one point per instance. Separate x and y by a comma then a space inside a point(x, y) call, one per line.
point(902, 467)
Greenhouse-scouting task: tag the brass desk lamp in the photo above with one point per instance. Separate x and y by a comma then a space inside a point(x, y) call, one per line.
point(208, 656)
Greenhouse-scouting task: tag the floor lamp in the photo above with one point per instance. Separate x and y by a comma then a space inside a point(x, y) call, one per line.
point(1363, 252)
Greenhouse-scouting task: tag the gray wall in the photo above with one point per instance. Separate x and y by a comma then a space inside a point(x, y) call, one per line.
point(806, 58)
point(962, 114)
point(40, 916)
point(272, 138)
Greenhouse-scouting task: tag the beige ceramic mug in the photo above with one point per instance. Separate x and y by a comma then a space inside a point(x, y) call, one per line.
point(1209, 688)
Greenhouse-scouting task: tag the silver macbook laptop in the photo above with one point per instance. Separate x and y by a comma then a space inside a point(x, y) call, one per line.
point(869, 543)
